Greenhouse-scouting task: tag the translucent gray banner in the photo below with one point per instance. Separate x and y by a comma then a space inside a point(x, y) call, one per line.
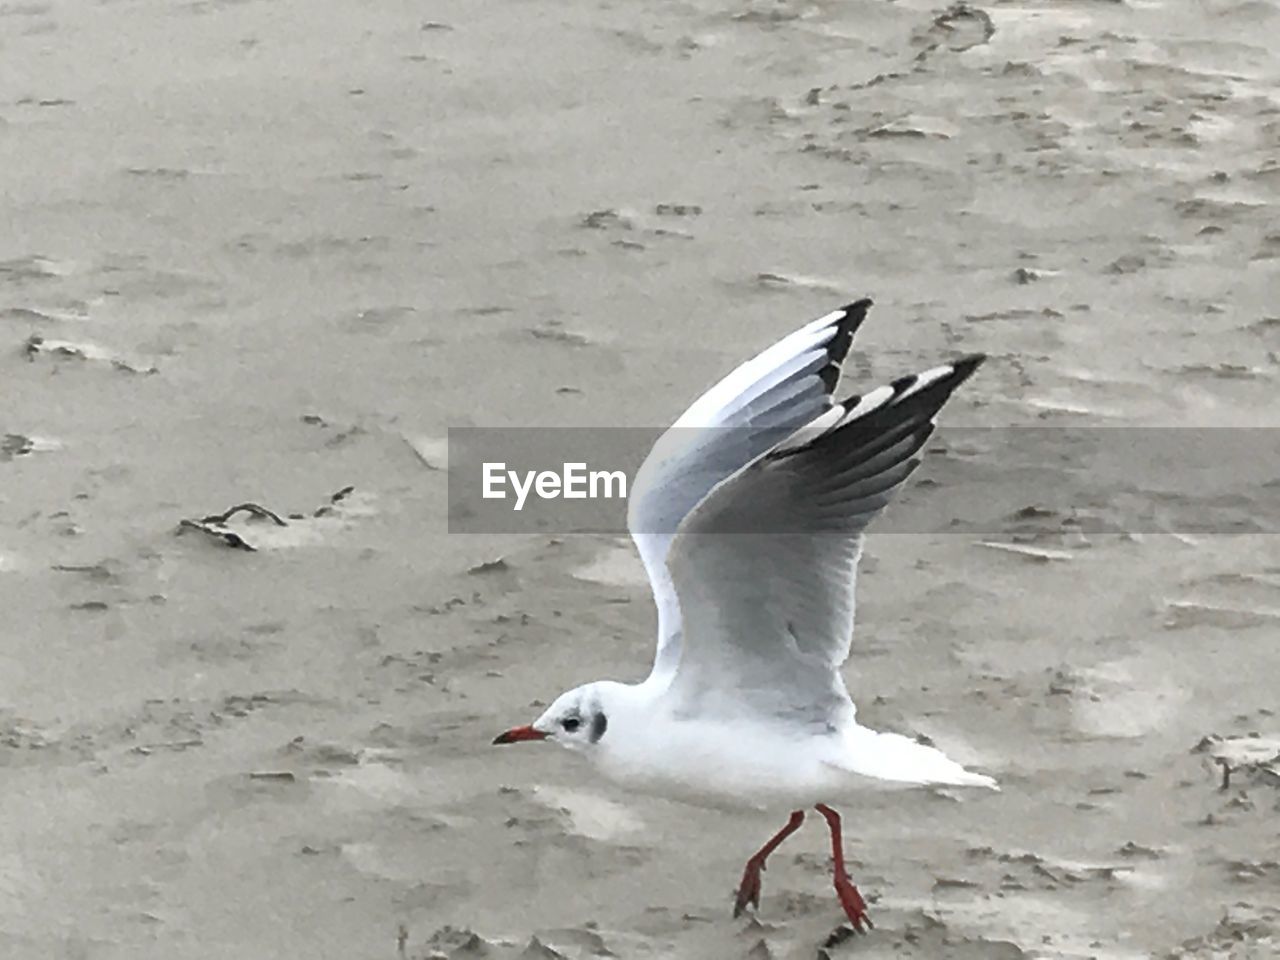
point(989, 481)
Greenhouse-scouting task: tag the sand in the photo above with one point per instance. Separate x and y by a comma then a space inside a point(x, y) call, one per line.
point(266, 251)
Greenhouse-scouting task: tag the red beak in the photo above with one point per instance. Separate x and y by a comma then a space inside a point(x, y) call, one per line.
point(516, 734)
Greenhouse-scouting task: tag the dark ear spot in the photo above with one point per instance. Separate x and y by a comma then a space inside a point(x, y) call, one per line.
point(599, 724)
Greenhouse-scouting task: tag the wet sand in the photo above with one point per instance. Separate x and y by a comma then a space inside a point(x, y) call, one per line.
point(256, 252)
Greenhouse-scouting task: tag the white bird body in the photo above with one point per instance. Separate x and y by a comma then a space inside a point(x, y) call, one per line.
point(733, 760)
point(714, 761)
point(749, 516)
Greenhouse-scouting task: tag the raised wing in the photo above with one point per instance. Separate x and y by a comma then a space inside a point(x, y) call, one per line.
point(761, 402)
point(765, 566)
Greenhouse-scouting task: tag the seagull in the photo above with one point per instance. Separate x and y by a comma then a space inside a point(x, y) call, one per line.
point(749, 514)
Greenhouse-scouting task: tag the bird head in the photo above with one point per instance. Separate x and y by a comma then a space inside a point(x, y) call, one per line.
point(578, 719)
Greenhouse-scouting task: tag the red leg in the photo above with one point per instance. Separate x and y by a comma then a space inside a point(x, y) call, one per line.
point(855, 908)
point(749, 890)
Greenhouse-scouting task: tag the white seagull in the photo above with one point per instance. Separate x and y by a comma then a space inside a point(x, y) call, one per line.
point(749, 516)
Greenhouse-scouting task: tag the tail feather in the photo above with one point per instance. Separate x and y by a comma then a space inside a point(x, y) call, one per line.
point(899, 759)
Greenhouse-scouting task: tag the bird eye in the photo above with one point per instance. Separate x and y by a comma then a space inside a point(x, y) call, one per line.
point(570, 724)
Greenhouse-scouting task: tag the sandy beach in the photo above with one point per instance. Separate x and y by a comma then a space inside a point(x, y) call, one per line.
point(266, 252)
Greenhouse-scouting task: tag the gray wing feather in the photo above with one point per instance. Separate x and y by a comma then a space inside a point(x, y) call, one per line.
point(765, 566)
point(744, 415)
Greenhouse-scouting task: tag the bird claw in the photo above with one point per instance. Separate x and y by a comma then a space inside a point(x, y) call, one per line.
point(855, 908)
point(749, 889)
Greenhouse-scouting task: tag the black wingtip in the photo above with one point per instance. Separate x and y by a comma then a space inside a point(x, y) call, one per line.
point(839, 346)
point(854, 314)
point(965, 366)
